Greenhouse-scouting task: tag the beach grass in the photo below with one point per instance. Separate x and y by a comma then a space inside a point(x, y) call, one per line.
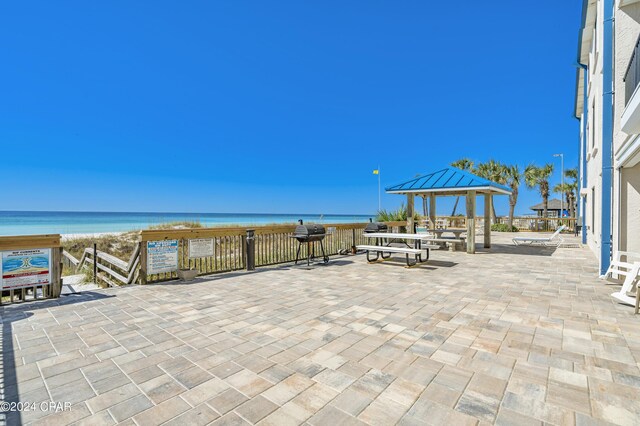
point(122, 244)
point(119, 245)
point(177, 225)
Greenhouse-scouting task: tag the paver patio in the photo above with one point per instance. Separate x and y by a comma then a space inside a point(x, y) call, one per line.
point(510, 336)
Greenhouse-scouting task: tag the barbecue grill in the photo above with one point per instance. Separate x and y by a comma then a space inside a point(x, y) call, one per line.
point(309, 234)
point(375, 227)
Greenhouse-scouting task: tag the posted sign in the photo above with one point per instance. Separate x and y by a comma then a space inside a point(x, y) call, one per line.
point(25, 268)
point(200, 247)
point(162, 256)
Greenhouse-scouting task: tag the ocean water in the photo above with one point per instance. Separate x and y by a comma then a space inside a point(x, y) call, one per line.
point(30, 223)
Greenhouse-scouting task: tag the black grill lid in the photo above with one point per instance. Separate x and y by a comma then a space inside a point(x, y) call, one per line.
point(308, 230)
point(376, 227)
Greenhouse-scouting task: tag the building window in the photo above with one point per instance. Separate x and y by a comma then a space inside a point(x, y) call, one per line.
point(587, 137)
point(592, 136)
point(593, 209)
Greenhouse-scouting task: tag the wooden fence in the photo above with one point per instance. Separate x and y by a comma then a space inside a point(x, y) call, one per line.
point(541, 224)
point(108, 268)
point(273, 245)
point(530, 224)
point(30, 281)
point(69, 261)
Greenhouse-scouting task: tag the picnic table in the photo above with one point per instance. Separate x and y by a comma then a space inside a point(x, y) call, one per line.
point(452, 242)
point(457, 232)
point(383, 241)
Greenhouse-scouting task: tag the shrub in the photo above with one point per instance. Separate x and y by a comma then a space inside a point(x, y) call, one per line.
point(503, 227)
point(399, 215)
point(120, 245)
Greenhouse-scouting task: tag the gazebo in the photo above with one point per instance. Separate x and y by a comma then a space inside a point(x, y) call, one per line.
point(451, 181)
point(555, 208)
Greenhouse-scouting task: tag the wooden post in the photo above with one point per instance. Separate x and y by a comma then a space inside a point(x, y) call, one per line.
point(471, 222)
point(95, 263)
point(143, 262)
point(410, 213)
point(56, 272)
point(243, 242)
point(487, 220)
point(251, 250)
point(432, 211)
point(353, 242)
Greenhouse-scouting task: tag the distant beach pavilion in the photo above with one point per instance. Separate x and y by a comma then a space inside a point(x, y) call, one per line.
point(555, 208)
point(451, 181)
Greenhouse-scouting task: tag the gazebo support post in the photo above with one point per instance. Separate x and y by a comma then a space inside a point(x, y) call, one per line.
point(432, 211)
point(410, 214)
point(487, 220)
point(471, 222)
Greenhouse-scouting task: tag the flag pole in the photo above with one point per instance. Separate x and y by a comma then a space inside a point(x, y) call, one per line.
point(379, 196)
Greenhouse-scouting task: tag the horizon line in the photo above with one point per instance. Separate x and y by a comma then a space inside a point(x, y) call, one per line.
point(516, 214)
point(173, 212)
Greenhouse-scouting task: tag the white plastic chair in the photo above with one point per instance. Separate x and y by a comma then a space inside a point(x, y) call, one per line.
point(620, 267)
point(630, 282)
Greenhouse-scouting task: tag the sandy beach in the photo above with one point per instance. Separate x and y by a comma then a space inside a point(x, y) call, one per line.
point(67, 237)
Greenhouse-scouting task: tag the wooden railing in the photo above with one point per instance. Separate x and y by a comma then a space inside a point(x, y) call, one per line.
point(228, 254)
point(69, 261)
point(110, 269)
point(531, 224)
point(541, 224)
point(273, 245)
point(452, 221)
point(632, 74)
point(32, 280)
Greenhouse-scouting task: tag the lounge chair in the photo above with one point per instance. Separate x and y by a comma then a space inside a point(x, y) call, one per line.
point(619, 267)
point(628, 286)
point(553, 240)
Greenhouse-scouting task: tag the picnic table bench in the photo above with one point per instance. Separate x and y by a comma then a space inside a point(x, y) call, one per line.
point(383, 245)
point(457, 232)
point(450, 242)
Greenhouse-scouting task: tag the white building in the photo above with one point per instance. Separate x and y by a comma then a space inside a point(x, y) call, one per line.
point(608, 107)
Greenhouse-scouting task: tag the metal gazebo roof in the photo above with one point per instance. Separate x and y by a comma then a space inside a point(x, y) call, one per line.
point(448, 181)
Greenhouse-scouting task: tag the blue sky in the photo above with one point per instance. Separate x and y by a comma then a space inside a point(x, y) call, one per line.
point(287, 106)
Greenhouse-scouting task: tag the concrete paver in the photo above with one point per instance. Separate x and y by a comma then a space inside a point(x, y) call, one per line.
point(511, 335)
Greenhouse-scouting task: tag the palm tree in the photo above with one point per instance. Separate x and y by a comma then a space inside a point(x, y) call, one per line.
point(573, 175)
point(512, 175)
point(494, 171)
point(462, 164)
point(566, 191)
point(535, 176)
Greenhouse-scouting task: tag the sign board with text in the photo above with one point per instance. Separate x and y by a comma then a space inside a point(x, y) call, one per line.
point(200, 247)
point(25, 268)
point(162, 256)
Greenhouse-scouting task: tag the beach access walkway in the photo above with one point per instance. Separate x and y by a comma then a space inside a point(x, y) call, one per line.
point(511, 335)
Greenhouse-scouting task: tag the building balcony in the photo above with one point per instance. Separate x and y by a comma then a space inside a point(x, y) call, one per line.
point(623, 3)
point(630, 121)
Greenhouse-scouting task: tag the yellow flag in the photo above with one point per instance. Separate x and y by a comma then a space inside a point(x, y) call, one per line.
point(376, 172)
